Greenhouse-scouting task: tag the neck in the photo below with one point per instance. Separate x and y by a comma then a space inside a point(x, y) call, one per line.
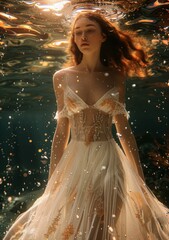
point(91, 63)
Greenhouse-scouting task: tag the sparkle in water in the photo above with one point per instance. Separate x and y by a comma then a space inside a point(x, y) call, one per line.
point(32, 47)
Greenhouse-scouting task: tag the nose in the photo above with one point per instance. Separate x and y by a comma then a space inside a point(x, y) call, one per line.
point(84, 37)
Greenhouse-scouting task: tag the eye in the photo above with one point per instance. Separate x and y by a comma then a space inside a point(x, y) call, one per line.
point(78, 33)
point(90, 30)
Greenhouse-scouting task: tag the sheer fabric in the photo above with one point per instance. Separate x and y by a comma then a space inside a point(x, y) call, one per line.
point(94, 193)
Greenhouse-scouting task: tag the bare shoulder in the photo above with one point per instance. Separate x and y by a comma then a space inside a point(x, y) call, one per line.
point(60, 74)
point(59, 78)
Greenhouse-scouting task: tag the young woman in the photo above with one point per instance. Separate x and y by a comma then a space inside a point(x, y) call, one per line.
point(96, 190)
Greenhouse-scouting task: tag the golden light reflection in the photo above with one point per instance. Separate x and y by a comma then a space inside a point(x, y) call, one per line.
point(52, 5)
point(56, 44)
point(7, 16)
point(38, 66)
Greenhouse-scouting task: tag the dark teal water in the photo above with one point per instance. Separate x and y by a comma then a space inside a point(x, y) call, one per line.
point(32, 43)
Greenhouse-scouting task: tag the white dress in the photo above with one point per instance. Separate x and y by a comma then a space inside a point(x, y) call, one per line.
point(94, 193)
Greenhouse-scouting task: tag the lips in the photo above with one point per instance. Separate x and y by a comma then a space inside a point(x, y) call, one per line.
point(84, 44)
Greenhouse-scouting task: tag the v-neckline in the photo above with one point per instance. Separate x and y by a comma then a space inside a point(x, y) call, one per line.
point(91, 105)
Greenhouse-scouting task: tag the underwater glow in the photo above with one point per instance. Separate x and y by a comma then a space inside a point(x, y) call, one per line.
point(33, 38)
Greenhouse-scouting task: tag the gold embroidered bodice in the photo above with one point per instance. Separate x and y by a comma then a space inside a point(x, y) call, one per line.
point(91, 122)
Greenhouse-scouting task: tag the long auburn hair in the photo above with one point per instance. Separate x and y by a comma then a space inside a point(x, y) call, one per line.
point(124, 50)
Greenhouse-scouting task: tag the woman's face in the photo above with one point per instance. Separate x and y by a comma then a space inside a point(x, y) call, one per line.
point(88, 35)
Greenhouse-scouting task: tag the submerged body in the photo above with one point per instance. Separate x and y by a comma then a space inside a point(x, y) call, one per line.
point(96, 190)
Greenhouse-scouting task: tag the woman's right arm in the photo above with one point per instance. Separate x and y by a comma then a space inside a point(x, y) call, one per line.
point(62, 132)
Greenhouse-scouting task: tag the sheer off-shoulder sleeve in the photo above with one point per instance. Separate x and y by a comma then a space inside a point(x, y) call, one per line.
point(61, 114)
point(120, 108)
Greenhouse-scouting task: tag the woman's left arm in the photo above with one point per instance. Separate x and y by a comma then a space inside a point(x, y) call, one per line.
point(128, 142)
point(126, 137)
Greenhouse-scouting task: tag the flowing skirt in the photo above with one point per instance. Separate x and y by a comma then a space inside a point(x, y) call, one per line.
point(93, 194)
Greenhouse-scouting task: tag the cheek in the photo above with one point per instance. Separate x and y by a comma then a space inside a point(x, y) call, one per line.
point(76, 40)
point(97, 38)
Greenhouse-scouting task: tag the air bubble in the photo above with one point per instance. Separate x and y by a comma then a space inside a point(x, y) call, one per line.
point(103, 167)
point(38, 184)
point(110, 229)
point(10, 199)
point(119, 135)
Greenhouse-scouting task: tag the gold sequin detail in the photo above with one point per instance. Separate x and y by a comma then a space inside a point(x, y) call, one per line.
point(69, 230)
point(53, 226)
point(142, 210)
point(19, 232)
